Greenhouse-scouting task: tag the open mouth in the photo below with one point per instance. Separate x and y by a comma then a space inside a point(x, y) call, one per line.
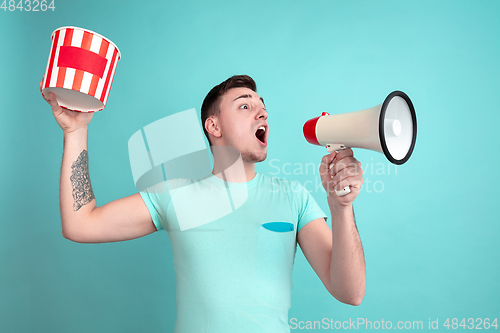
point(261, 134)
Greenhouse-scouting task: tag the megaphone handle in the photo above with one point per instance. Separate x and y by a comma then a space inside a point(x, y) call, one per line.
point(330, 148)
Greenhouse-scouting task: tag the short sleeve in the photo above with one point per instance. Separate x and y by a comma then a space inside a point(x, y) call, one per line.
point(307, 208)
point(158, 198)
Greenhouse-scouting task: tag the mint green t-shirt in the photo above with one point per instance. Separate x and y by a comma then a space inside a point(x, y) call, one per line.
point(233, 246)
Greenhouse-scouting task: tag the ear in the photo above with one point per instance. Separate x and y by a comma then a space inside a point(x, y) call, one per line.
point(212, 127)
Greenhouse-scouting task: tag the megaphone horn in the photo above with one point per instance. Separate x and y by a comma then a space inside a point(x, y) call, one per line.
point(389, 128)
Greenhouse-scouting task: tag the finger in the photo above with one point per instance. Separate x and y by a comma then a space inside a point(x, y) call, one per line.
point(342, 154)
point(41, 82)
point(346, 162)
point(346, 152)
point(45, 97)
point(345, 174)
point(41, 92)
point(326, 161)
point(353, 182)
point(53, 102)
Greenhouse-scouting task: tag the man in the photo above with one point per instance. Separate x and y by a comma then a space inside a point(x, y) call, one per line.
point(234, 273)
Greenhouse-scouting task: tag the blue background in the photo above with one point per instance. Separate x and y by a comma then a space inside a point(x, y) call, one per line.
point(429, 231)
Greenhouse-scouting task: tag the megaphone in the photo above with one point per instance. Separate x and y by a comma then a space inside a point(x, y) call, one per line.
point(389, 128)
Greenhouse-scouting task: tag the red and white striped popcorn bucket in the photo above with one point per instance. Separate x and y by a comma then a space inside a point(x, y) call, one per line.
point(80, 69)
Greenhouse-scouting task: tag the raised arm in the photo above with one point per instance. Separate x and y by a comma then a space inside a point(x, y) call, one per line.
point(82, 221)
point(347, 264)
point(337, 255)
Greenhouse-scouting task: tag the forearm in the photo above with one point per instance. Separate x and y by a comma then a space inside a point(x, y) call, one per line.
point(76, 197)
point(347, 266)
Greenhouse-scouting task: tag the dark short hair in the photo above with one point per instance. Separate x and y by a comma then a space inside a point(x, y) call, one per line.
point(211, 103)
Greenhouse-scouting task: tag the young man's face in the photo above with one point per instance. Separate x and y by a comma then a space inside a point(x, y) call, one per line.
point(243, 124)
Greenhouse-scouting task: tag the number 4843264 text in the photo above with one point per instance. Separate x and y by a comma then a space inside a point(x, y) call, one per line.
point(27, 5)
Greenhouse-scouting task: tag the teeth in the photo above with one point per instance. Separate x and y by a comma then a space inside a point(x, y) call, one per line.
point(262, 128)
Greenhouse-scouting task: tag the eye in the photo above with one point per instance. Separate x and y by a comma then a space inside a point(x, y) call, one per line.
point(245, 106)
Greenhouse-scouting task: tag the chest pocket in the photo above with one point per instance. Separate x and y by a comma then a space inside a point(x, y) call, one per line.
point(279, 226)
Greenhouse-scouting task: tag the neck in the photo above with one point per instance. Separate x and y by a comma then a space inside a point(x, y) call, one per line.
point(229, 166)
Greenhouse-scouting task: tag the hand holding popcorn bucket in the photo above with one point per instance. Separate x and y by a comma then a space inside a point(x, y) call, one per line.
point(80, 69)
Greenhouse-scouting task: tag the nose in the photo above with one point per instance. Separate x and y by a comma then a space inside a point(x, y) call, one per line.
point(262, 113)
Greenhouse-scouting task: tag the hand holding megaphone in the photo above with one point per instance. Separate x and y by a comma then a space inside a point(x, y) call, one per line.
point(330, 148)
point(389, 128)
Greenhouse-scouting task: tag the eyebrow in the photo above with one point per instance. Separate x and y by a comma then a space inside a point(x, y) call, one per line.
point(248, 96)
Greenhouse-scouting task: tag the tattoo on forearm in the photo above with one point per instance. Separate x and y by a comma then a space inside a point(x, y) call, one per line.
point(80, 181)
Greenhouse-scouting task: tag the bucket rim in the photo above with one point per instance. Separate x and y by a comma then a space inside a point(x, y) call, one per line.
point(92, 32)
